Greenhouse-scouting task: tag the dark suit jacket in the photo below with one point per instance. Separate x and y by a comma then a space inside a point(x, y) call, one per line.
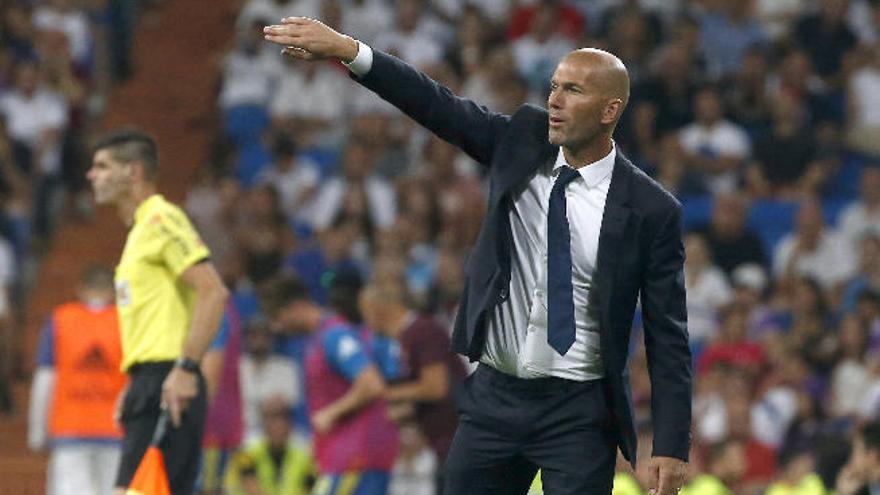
point(640, 249)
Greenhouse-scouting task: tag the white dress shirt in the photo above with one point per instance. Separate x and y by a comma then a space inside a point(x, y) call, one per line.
point(516, 341)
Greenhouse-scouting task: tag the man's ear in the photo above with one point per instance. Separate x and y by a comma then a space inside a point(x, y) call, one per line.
point(137, 171)
point(611, 112)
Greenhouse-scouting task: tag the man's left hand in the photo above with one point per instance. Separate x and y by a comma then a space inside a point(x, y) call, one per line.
point(667, 475)
point(179, 388)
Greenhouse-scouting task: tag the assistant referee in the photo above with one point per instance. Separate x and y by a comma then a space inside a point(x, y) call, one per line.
point(170, 301)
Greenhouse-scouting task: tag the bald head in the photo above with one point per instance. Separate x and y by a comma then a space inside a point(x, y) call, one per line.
point(383, 304)
point(588, 92)
point(608, 71)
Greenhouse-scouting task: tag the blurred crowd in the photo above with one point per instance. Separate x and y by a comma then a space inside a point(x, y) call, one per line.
point(757, 115)
point(57, 60)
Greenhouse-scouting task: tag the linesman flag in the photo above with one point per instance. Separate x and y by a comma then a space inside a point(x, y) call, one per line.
point(151, 478)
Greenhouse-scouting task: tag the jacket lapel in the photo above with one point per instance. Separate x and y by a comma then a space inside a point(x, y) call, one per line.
point(614, 220)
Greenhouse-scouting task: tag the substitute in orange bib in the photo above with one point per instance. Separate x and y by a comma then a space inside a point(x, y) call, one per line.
point(75, 389)
point(170, 301)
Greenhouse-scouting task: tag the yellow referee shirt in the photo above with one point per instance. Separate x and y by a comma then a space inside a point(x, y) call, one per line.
point(155, 307)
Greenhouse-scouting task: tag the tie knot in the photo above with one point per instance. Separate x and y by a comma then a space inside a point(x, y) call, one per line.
point(566, 175)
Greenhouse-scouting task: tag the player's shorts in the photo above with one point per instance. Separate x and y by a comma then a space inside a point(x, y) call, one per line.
point(353, 483)
point(181, 446)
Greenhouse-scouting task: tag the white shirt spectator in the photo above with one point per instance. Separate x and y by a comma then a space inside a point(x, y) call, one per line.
point(772, 414)
point(274, 377)
point(28, 118)
point(416, 476)
point(830, 263)
point(249, 79)
point(380, 194)
point(724, 138)
point(869, 409)
point(705, 295)
point(856, 221)
point(416, 48)
point(778, 16)
point(366, 19)
point(314, 92)
point(864, 88)
point(850, 382)
point(74, 25)
point(273, 11)
point(536, 60)
point(292, 184)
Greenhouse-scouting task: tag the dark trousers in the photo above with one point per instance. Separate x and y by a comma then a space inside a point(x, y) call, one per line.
point(511, 427)
point(181, 447)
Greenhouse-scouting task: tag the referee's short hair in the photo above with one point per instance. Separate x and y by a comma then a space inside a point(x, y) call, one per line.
point(131, 145)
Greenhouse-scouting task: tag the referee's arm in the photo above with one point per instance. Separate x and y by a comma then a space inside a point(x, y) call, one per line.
point(181, 386)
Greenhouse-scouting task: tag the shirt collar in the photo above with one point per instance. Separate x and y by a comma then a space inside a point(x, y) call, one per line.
point(593, 173)
point(145, 207)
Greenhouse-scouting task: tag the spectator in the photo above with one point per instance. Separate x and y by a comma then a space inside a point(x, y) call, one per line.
point(662, 101)
point(813, 250)
point(726, 33)
point(748, 96)
point(862, 472)
point(786, 163)
point(731, 243)
point(309, 100)
point(565, 16)
point(416, 467)
point(63, 16)
point(849, 378)
point(732, 347)
point(211, 204)
point(673, 174)
point(276, 463)
point(863, 109)
point(411, 37)
point(707, 287)
point(263, 234)
point(826, 37)
point(296, 178)
point(357, 194)
point(536, 52)
point(714, 145)
point(249, 70)
point(726, 467)
point(862, 216)
point(36, 118)
point(264, 376)
point(366, 19)
point(868, 276)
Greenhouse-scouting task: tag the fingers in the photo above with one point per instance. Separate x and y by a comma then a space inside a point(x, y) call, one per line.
point(653, 477)
point(298, 53)
point(298, 21)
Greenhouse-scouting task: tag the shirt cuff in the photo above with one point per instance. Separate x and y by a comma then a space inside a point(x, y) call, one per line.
point(362, 62)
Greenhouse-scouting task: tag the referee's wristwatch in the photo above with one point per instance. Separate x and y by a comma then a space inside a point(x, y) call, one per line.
point(187, 364)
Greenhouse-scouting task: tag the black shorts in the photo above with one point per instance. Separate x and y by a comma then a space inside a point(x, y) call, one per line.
point(181, 446)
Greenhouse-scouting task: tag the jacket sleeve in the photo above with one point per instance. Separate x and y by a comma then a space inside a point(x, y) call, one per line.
point(666, 339)
point(471, 127)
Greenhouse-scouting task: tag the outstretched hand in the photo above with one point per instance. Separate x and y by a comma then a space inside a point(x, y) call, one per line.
point(311, 39)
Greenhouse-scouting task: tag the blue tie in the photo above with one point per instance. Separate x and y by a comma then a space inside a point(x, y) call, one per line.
point(560, 305)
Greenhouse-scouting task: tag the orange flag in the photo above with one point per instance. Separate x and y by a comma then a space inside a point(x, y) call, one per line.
point(151, 478)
